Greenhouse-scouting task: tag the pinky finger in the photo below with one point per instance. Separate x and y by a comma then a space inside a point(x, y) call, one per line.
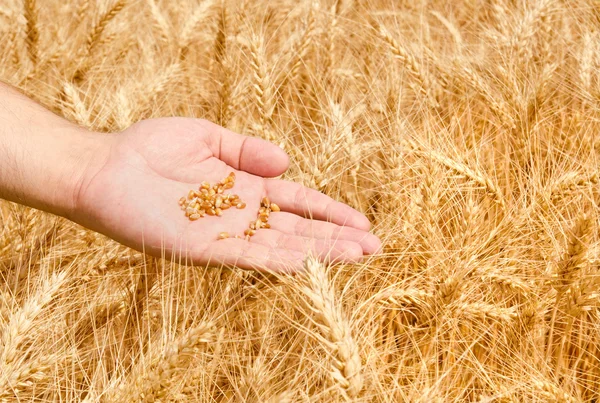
point(252, 256)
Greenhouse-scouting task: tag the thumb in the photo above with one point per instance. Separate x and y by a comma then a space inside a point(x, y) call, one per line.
point(245, 153)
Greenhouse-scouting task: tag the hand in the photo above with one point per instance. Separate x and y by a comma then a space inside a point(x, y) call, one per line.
point(132, 196)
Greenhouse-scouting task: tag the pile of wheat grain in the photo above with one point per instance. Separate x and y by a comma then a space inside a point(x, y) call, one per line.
point(468, 132)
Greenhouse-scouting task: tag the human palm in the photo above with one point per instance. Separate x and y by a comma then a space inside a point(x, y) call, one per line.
point(133, 196)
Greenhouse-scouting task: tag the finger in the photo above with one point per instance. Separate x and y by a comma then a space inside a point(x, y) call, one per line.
point(296, 225)
point(328, 250)
point(250, 154)
point(303, 201)
point(252, 256)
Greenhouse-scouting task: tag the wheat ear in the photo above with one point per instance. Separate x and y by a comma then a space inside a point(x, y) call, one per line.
point(31, 16)
point(94, 38)
point(98, 29)
point(154, 384)
point(304, 44)
point(334, 327)
point(462, 169)
point(497, 106)
point(75, 106)
point(263, 92)
point(16, 331)
point(189, 29)
point(160, 22)
point(574, 258)
point(425, 85)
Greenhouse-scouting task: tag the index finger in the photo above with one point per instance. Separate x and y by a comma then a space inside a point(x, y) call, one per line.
point(295, 198)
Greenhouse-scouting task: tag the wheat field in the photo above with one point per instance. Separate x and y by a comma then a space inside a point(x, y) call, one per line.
point(467, 131)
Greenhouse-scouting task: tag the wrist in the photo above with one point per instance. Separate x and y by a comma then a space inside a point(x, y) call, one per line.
point(87, 153)
point(44, 159)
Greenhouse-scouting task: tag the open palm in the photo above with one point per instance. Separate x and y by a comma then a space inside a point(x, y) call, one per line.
point(133, 196)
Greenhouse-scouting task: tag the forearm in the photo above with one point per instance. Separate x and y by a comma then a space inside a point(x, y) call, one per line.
point(43, 157)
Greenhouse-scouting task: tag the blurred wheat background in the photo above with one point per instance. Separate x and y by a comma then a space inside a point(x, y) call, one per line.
point(467, 131)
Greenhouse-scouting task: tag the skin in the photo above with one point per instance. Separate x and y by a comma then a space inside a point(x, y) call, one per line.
point(126, 186)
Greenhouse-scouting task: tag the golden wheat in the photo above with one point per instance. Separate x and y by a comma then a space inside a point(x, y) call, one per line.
point(466, 131)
